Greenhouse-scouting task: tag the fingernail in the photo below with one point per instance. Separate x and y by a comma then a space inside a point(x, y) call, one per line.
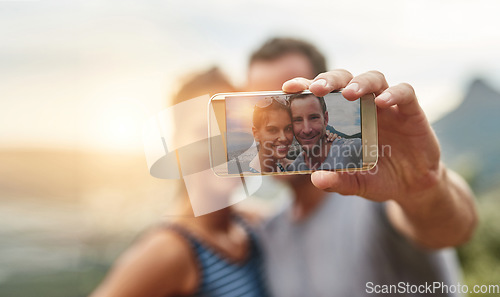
point(353, 87)
point(320, 82)
point(386, 96)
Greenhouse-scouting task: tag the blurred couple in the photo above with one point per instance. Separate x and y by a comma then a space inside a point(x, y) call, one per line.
point(387, 227)
point(276, 121)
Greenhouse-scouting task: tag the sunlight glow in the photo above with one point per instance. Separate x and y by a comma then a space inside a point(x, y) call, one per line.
point(121, 123)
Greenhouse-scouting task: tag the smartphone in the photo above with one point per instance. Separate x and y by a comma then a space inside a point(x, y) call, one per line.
point(260, 133)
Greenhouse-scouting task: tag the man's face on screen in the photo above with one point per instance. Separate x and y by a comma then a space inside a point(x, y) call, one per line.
point(309, 121)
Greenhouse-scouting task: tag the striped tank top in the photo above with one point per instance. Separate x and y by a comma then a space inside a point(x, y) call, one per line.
point(222, 277)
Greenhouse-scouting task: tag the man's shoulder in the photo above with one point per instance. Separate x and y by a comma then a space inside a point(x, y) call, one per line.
point(343, 153)
point(343, 144)
point(276, 222)
point(336, 210)
point(333, 201)
point(276, 219)
point(300, 157)
point(347, 142)
point(297, 164)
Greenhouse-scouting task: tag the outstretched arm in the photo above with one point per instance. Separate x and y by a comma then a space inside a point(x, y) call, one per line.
point(427, 202)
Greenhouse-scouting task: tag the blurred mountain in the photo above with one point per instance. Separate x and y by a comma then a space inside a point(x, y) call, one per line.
point(469, 136)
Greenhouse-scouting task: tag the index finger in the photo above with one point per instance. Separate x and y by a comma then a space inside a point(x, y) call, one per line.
point(323, 84)
point(369, 82)
point(330, 81)
point(296, 85)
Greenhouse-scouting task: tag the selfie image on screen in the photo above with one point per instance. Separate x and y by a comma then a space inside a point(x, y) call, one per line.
point(292, 132)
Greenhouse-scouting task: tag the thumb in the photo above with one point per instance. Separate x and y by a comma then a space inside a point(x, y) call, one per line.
point(344, 183)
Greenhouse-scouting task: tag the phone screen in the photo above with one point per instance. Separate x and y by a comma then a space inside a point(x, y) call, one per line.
point(287, 133)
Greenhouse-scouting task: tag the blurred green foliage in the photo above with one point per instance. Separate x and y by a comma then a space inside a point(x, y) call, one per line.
point(77, 279)
point(69, 283)
point(480, 257)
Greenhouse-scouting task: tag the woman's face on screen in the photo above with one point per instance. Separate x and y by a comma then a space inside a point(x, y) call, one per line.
point(275, 134)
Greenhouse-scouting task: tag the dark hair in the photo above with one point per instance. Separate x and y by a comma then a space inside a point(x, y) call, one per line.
point(278, 47)
point(260, 114)
point(210, 82)
point(301, 96)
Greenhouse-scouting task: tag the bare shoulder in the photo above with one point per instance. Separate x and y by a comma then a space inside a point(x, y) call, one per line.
point(160, 263)
point(164, 248)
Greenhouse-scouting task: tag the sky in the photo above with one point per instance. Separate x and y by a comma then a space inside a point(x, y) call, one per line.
point(87, 74)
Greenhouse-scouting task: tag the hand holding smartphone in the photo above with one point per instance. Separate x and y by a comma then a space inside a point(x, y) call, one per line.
point(280, 133)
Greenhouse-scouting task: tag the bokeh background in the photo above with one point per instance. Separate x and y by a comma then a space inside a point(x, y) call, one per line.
point(79, 78)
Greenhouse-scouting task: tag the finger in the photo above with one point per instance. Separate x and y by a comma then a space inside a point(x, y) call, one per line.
point(343, 183)
point(369, 82)
point(296, 85)
point(330, 81)
point(402, 95)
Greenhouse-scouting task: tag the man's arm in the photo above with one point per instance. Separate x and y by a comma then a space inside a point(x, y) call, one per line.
point(444, 216)
point(428, 203)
